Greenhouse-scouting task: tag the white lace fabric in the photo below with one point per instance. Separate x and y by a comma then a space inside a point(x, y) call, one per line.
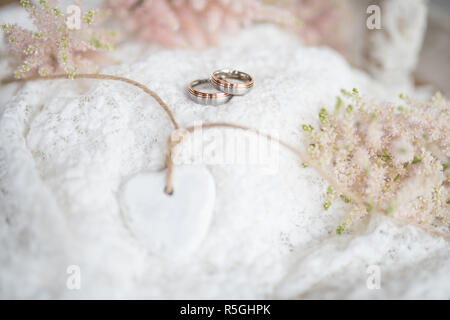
point(66, 146)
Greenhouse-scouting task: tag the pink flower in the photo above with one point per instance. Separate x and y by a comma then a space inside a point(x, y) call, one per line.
point(402, 151)
point(396, 160)
point(321, 21)
point(361, 157)
point(56, 47)
point(196, 23)
point(374, 135)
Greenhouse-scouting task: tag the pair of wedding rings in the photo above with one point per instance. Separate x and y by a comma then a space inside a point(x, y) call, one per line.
point(220, 80)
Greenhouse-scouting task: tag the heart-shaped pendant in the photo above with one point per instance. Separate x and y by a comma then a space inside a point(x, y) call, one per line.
point(171, 226)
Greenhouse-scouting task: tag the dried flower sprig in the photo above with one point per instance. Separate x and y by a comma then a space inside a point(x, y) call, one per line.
point(56, 46)
point(199, 23)
point(393, 158)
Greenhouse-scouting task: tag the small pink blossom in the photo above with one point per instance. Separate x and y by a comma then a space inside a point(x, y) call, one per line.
point(54, 47)
point(402, 151)
point(391, 158)
point(361, 157)
point(374, 135)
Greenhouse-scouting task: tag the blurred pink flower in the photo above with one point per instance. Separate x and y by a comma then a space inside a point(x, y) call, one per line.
point(197, 23)
point(54, 47)
point(323, 21)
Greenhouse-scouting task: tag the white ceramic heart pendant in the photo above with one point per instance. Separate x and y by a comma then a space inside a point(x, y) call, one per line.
point(171, 226)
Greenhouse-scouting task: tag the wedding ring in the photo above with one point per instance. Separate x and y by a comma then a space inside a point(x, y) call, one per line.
point(207, 98)
point(218, 80)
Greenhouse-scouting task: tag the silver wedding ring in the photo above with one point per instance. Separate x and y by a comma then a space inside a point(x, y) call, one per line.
point(205, 97)
point(222, 81)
